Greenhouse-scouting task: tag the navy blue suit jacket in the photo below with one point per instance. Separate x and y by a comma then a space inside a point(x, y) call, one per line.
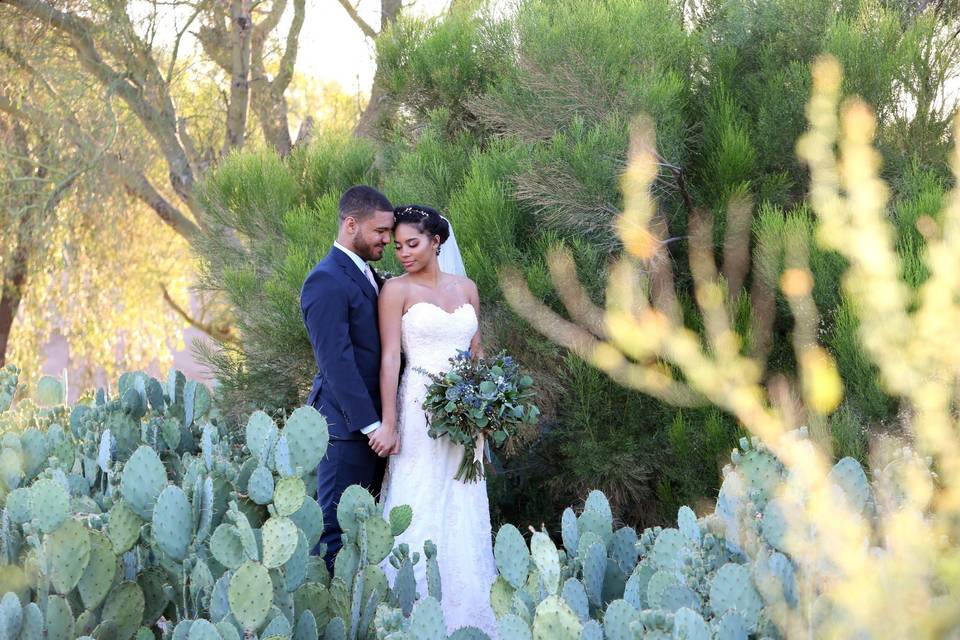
point(339, 309)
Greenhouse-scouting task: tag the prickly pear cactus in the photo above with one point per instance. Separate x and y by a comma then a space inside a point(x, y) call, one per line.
point(145, 512)
point(718, 576)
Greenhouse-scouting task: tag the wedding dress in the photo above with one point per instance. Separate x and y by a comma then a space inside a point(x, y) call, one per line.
point(453, 514)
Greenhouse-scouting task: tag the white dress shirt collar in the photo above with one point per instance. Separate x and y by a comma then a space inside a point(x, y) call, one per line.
point(357, 260)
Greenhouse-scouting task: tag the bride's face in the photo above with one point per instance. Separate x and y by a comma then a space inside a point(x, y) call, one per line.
point(415, 249)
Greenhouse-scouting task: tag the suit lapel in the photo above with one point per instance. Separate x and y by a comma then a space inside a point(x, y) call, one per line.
point(354, 273)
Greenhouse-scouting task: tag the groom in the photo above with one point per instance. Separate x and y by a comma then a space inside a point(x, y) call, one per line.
point(339, 305)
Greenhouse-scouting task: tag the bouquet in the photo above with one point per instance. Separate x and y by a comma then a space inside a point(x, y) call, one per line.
point(478, 399)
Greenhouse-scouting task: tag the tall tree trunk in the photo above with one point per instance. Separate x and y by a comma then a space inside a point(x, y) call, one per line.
point(242, 24)
point(380, 107)
point(14, 279)
point(378, 110)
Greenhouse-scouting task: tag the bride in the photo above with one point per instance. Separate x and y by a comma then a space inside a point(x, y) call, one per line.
point(430, 313)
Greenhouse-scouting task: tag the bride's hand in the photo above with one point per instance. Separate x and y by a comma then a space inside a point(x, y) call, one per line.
point(384, 440)
point(396, 447)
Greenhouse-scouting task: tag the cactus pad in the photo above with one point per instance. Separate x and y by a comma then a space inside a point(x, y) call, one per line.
point(142, 481)
point(400, 518)
point(555, 621)
point(288, 496)
point(203, 630)
point(307, 437)
point(576, 598)
point(544, 554)
point(569, 530)
point(596, 522)
point(426, 623)
point(594, 571)
point(355, 502)
point(172, 526)
point(261, 433)
point(49, 504)
point(687, 523)
point(123, 527)
point(68, 552)
point(18, 505)
point(733, 590)
point(250, 595)
point(49, 392)
point(98, 577)
point(124, 606)
point(260, 485)
point(226, 547)
point(280, 537)
point(690, 625)
point(512, 556)
point(513, 627)
point(848, 476)
point(309, 518)
point(59, 619)
point(617, 620)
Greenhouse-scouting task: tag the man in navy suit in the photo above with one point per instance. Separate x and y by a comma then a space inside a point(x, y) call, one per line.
point(339, 305)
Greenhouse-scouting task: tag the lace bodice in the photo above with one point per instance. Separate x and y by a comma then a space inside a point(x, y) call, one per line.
point(430, 335)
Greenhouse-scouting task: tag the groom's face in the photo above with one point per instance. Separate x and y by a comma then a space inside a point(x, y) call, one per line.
point(372, 235)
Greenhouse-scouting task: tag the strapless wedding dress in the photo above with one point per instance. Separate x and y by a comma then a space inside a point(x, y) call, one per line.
point(453, 514)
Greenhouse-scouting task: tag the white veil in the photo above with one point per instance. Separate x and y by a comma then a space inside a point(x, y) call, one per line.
point(450, 260)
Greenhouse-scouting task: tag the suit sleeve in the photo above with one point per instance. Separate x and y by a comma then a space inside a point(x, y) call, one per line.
point(325, 313)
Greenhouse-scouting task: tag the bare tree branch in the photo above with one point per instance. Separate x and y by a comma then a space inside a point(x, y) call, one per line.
point(221, 334)
point(360, 22)
point(171, 67)
point(158, 119)
point(136, 184)
point(289, 59)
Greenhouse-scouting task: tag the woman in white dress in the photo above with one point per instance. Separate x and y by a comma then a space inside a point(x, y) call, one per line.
point(431, 315)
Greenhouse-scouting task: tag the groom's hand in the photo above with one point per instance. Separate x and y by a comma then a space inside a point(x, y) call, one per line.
point(383, 441)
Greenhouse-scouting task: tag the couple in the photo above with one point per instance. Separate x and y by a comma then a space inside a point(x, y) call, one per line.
point(358, 325)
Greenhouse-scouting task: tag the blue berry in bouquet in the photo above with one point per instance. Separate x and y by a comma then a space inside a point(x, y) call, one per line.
point(479, 399)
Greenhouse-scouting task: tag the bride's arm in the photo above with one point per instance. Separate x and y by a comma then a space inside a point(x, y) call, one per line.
point(391, 311)
point(473, 295)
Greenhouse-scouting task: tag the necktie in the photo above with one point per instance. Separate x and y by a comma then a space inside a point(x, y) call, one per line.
point(369, 273)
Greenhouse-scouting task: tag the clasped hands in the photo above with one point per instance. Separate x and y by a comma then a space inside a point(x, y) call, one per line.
point(385, 441)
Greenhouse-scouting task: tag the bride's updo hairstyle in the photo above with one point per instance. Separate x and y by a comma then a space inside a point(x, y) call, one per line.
point(426, 219)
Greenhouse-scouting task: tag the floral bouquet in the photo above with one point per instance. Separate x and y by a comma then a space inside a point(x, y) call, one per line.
point(476, 399)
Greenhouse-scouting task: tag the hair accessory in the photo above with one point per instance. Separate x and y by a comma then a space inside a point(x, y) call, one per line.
point(417, 210)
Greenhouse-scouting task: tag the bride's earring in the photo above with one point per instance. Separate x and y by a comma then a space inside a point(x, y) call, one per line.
point(438, 250)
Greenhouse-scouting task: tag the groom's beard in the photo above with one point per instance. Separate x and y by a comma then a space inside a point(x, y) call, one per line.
point(366, 250)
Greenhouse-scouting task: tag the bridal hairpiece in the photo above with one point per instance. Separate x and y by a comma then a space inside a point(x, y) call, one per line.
point(417, 210)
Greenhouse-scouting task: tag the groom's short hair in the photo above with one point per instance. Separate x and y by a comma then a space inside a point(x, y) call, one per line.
point(360, 201)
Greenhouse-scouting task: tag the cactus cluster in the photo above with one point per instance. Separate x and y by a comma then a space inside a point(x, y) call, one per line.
point(142, 516)
point(720, 577)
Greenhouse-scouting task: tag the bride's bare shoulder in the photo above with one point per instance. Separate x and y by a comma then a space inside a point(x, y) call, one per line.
point(461, 282)
point(396, 283)
point(466, 286)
